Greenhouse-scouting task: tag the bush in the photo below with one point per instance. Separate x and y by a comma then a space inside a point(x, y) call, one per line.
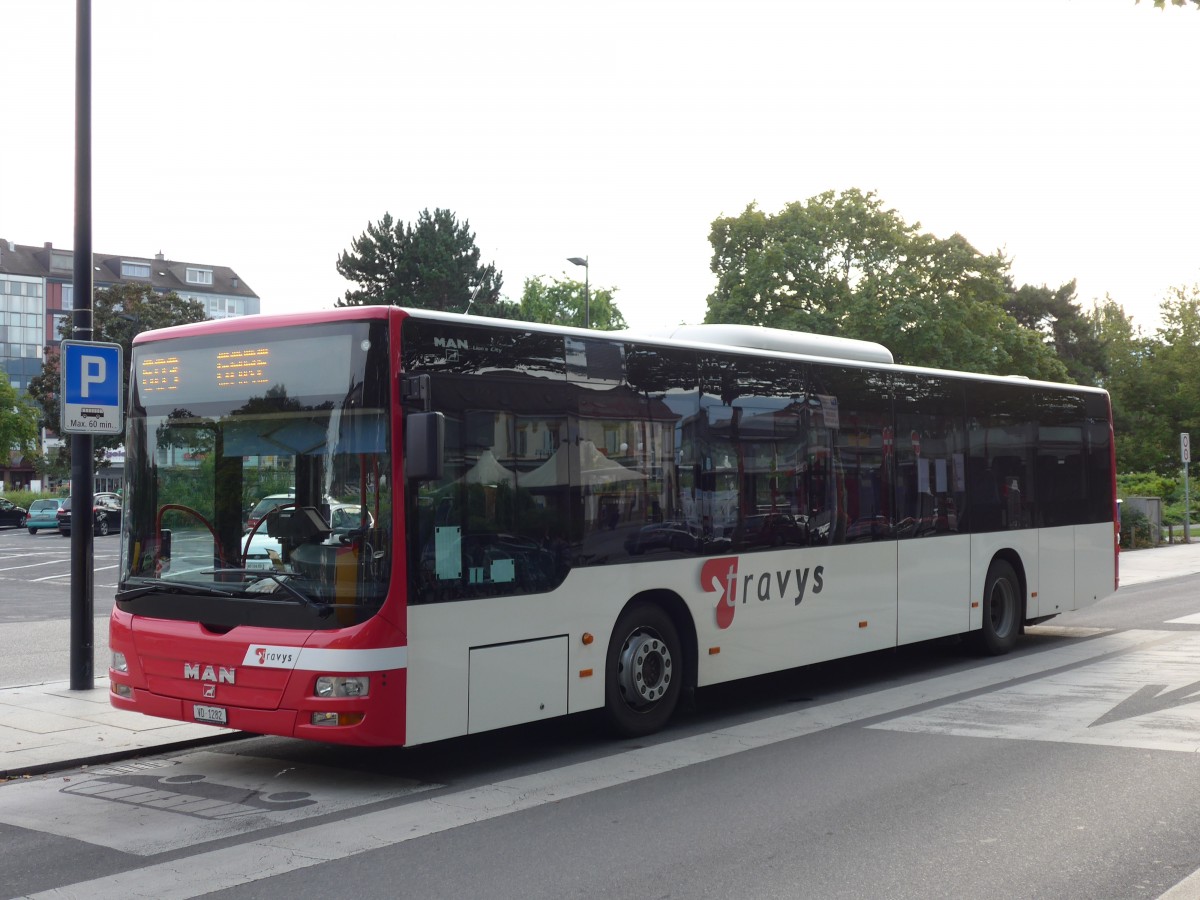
point(1172, 513)
point(1169, 490)
point(1149, 484)
point(1135, 530)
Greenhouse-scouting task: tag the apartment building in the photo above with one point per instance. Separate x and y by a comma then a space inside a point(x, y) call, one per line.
point(37, 294)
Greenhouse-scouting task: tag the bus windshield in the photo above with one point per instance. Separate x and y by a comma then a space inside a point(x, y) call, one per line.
point(258, 487)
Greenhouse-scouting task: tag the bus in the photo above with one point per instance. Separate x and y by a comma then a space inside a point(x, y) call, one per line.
point(477, 523)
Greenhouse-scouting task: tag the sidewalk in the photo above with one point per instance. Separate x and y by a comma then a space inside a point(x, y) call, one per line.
point(49, 726)
point(1166, 561)
point(44, 727)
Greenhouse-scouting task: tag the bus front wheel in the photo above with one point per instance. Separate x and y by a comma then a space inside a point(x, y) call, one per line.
point(1001, 609)
point(643, 671)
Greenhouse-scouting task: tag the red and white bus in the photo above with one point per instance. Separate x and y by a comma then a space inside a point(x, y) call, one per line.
point(479, 523)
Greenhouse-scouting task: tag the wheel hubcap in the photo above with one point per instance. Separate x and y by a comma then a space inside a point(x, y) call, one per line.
point(1002, 609)
point(644, 669)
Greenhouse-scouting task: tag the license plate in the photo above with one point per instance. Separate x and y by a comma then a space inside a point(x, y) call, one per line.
point(214, 715)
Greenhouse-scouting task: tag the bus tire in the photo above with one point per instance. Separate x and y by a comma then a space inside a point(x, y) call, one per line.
point(1001, 609)
point(643, 671)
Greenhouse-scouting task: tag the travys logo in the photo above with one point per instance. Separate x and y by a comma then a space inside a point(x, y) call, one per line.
point(271, 657)
point(720, 576)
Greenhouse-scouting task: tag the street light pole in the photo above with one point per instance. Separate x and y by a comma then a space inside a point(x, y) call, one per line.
point(587, 298)
point(82, 468)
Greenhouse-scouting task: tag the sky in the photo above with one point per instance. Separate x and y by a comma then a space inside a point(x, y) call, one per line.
point(266, 135)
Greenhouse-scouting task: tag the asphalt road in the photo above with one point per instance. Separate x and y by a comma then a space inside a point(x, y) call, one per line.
point(35, 604)
point(1068, 769)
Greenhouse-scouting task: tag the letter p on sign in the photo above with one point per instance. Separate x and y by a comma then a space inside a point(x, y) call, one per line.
point(92, 371)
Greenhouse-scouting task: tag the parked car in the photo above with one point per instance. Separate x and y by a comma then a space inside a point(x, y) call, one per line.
point(43, 514)
point(11, 514)
point(106, 515)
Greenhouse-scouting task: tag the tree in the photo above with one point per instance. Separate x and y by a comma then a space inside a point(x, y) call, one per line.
point(1168, 401)
point(1151, 380)
point(846, 265)
point(798, 269)
point(1131, 383)
point(119, 313)
point(562, 301)
point(432, 264)
point(1071, 334)
point(18, 421)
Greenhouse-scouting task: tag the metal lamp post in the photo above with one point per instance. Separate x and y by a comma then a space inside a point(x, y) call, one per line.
point(82, 467)
point(587, 297)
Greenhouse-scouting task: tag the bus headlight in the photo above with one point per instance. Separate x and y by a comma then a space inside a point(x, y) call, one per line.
point(343, 686)
point(119, 663)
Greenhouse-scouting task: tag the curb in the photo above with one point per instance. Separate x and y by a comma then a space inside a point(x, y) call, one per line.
point(59, 765)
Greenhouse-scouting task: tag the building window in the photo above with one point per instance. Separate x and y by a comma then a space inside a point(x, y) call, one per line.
point(68, 297)
point(134, 269)
point(199, 276)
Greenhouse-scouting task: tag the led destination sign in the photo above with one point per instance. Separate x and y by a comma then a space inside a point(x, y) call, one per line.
point(304, 367)
point(236, 368)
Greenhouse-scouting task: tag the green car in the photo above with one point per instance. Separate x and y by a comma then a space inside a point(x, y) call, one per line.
point(44, 514)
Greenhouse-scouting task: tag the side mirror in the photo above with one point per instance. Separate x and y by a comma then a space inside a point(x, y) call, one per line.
point(424, 445)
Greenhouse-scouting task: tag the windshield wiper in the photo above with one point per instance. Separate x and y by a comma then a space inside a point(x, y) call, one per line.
point(166, 587)
point(324, 610)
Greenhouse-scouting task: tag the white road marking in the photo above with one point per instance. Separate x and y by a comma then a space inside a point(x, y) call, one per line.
point(257, 859)
point(1066, 630)
point(48, 562)
point(1188, 889)
point(150, 807)
point(68, 575)
point(1193, 619)
point(1148, 698)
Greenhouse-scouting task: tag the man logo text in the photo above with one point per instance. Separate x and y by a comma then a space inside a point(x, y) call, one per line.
point(219, 675)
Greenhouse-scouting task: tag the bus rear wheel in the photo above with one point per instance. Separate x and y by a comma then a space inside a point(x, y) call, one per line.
point(643, 671)
point(1001, 609)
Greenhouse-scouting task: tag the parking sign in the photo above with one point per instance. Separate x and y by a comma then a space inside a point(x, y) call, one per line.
point(91, 388)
